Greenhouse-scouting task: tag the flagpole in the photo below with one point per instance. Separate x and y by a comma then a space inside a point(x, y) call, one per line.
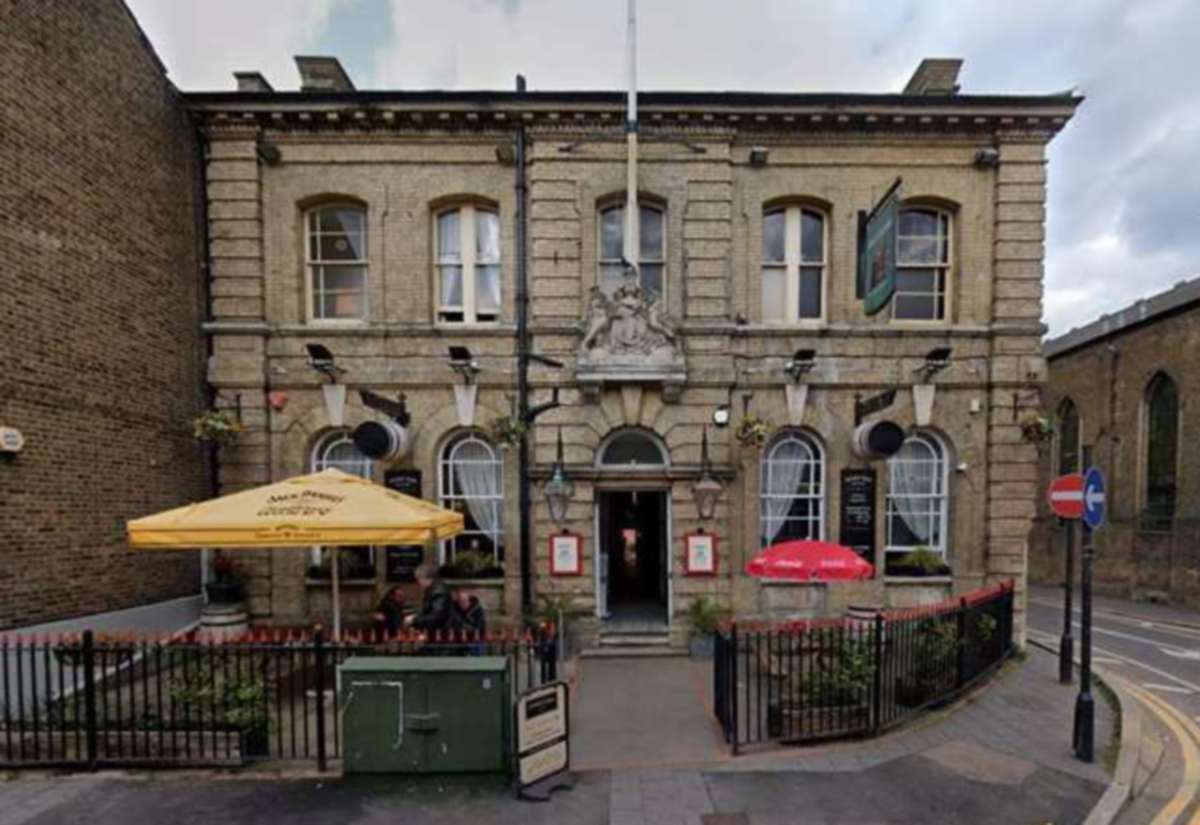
point(632, 226)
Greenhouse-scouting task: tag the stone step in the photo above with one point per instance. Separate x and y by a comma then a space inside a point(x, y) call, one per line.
point(635, 639)
point(635, 652)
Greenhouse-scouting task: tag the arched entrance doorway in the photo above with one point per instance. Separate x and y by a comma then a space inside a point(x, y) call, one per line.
point(633, 529)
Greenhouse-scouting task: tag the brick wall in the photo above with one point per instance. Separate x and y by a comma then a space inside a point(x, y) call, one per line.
point(100, 312)
point(1108, 386)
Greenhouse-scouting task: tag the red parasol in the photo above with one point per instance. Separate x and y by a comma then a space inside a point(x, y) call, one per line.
point(809, 560)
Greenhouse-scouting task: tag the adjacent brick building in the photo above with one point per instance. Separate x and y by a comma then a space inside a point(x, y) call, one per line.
point(384, 226)
point(1124, 385)
point(100, 312)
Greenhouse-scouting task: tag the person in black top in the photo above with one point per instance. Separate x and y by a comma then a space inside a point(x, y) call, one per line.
point(470, 617)
point(389, 615)
point(437, 610)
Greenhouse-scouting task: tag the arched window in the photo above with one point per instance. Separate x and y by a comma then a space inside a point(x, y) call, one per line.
point(651, 256)
point(793, 260)
point(1068, 438)
point(468, 265)
point(336, 256)
point(922, 264)
point(471, 482)
point(917, 499)
point(792, 497)
point(1162, 445)
point(632, 448)
point(337, 451)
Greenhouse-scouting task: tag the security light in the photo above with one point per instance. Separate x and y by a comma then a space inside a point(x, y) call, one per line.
point(720, 416)
point(321, 360)
point(800, 363)
point(758, 156)
point(463, 363)
point(936, 361)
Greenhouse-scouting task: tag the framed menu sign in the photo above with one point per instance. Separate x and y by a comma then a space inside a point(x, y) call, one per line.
point(566, 555)
point(700, 554)
point(858, 512)
point(402, 560)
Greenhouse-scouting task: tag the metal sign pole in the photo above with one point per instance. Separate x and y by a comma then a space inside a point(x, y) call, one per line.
point(1085, 707)
point(1066, 645)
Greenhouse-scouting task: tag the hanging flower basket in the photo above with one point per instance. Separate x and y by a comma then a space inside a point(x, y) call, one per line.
point(753, 431)
point(217, 427)
point(1036, 428)
point(507, 430)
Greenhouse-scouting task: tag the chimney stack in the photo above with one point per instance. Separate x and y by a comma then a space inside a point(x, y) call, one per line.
point(322, 74)
point(251, 82)
point(935, 76)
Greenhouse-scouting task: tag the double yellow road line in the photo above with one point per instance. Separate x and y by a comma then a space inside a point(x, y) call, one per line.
point(1187, 733)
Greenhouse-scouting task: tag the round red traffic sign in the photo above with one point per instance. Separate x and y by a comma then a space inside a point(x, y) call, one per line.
point(1066, 496)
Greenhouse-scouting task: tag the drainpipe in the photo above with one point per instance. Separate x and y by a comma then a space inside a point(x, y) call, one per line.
point(524, 498)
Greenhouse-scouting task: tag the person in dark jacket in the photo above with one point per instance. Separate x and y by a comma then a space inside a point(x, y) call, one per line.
point(389, 615)
point(470, 617)
point(437, 610)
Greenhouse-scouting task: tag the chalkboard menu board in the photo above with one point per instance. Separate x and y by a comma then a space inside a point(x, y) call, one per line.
point(858, 512)
point(403, 559)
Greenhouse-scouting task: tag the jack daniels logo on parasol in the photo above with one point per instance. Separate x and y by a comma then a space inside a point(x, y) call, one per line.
point(304, 503)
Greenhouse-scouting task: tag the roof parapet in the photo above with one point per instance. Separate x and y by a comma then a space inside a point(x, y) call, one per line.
point(935, 76)
point(319, 73)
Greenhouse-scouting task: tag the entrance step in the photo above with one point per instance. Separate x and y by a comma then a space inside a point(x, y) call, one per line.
point(632, 652)
point(634, 639)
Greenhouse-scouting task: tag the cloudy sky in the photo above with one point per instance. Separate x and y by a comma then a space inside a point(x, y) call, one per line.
point(1124, 217)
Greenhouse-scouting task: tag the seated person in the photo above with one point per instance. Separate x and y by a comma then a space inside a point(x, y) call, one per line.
point(389, 615)
point(469, 616)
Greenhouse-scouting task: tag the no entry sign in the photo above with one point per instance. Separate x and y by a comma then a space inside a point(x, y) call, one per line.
point(1066, 496)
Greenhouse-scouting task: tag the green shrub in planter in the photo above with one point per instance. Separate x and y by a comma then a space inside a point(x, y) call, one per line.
point(704, 617)
point(919, 562)
point(471, 564)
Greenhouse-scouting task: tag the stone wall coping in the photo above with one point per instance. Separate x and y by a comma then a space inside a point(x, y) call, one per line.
point(917, 581)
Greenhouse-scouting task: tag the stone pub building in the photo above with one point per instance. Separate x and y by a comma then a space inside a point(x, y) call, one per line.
point(387, 227)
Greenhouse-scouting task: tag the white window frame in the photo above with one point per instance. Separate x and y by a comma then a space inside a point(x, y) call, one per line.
point(943, 268)
point(467, 261)
point(792, 264)
point(319, 461)
point(312, 265)
point(447, 497)
point(660, 261)
point(816, 457)
point(940, 497)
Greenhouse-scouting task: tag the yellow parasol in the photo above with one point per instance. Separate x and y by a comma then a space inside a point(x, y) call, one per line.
point(327, 508)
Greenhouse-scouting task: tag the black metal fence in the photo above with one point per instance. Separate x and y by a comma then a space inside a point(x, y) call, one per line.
point(832, 678)
point(88, 701)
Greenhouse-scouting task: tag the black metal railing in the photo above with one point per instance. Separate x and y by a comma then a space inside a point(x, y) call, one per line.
point(90, 701)
point(830, 678)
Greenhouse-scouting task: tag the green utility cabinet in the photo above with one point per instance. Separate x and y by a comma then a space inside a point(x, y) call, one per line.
point(424, 714)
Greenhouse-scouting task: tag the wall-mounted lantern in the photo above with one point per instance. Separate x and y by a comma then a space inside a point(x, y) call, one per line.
point(558, 490)
point(707, 490)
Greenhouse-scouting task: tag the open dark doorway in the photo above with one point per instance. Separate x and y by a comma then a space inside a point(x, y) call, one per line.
point(633, 535)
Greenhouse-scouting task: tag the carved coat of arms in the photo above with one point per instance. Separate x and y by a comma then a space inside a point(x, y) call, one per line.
point(627, 326)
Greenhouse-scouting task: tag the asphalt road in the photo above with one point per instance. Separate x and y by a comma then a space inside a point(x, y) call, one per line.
point(1155, 652)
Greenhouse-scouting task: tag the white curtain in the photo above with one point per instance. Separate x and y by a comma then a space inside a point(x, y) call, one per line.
point(783, 471)
point(450, 259)
point(913, 486)
point(478, 474)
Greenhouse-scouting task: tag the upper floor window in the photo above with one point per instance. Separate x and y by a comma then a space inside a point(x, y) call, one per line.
point(651, 255)
point(471, 482)
point(338, 451)
point(337, 263)
point(1068, 437)
point(468, 265)
point(1162, 444)
point(793, 261)
point(917, 499)
point(792, 498)
point(922, 265)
